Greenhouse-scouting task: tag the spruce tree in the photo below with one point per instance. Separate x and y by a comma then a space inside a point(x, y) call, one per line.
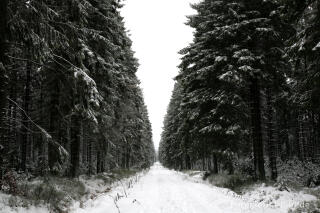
point(235, 58)
point(73, 92)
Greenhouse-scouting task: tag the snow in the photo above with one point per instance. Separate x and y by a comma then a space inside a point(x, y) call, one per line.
point(316, 47)
point(161, 190)
point(263, 29)
point(79, 73)
point(94, 95)
point(28, 4)
point(6, 208)
point(246, 68)
point(87, 50)
point(231, 130)
point(221, 58)
point(245, 59)
point(301, 44)
point(283, 200)
point(191, 65)
point(166, 191)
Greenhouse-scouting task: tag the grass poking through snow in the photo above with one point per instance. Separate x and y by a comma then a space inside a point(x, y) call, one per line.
point(57, 194)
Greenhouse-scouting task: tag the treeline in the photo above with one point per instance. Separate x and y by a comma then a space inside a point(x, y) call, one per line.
point(248, 93)
point(70, 100)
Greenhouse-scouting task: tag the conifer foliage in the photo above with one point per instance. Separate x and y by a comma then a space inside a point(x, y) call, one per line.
point(247, 93)
point(70, 100)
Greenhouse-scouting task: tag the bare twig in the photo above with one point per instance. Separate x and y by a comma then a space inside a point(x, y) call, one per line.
point(124, 189)
point(115, 202)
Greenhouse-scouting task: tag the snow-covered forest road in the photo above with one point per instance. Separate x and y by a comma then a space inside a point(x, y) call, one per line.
point(166, 191)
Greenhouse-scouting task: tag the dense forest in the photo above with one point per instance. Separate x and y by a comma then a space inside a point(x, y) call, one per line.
point(70, 99)
point(247, 97)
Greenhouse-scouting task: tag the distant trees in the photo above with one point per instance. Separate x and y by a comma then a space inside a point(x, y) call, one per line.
point(74, 103)
point(240, 93)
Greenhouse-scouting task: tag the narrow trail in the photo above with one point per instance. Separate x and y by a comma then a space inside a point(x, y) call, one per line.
point(166, 191)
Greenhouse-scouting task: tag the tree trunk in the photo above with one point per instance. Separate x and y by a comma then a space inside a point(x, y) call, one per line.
point(2, 113)
point(318, 140)
point(270, 136)
point(3, 78)
point(98, 162)
point(25, 128)
point(313, 141)
point(215, 164)
point(13, 133)
point(188, 163)
point(92, 156)
point(287, 137)
point(44, 161)
point(75, 145)
point(89, 154)
point(256, 128)
point(85, 142)
point(301, 136)
point(128, 154)
point(54, 119)
point(203, 157)
point(103, 156)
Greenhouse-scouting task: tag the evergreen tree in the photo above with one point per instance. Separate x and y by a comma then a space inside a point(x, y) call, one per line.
point(75, 106)
point(234, 62)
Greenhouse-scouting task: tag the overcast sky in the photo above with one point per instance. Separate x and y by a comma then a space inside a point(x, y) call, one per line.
point(158, 31)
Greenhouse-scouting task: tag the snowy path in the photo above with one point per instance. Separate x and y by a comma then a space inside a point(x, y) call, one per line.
point(165, 191)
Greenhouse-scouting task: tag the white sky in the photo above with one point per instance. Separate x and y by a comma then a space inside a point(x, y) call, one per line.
point(158, 32)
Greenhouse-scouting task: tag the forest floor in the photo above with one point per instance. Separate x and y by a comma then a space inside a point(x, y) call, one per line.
point(57, 194)
point(161, 190)
point(167, 191)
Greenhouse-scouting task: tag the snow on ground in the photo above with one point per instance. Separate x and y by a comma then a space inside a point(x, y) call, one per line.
point(166, 191)
point(264, 195)
point(5, 208)
point(72, 192)
point(283, 200)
